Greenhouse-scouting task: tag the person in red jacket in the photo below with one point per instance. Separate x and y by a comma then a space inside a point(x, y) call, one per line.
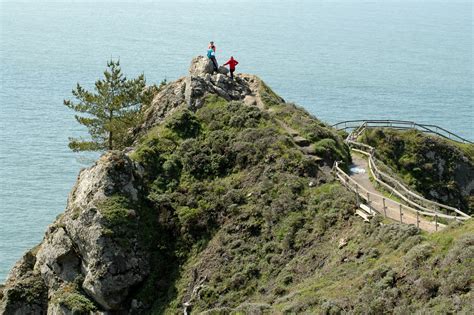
point(232, 63)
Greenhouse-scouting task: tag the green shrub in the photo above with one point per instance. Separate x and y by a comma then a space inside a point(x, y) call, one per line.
point(184, 124)
point(236, 222)
point(75, 301)
point(328, 148)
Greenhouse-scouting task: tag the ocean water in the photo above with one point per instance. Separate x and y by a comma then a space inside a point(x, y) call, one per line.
point(339, 59)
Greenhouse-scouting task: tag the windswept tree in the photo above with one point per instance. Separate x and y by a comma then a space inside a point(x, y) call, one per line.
point(110, 111)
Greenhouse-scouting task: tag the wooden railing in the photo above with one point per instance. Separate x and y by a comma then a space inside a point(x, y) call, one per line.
point(416, 201)
point(404, 193)
point(401, 124)
point(364, 194)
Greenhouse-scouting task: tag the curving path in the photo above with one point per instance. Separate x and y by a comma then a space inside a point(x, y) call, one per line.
point(414, 209)
point(392, 208)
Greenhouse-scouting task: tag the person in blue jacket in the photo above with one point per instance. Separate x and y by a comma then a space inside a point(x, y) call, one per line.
point(211, 54)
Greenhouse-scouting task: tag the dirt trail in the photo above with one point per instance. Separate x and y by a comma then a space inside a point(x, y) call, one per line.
point(377, 203)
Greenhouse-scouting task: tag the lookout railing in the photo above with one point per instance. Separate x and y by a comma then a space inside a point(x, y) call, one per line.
point(401, 124)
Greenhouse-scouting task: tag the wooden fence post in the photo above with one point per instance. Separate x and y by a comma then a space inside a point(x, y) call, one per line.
point(357, 196)
point(436, 222)
point(368, 201)
point(401, 214)
point(384, 208)
point(417, 219)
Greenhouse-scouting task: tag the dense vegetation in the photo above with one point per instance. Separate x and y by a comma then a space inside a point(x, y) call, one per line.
point(235, 217)
point(203, 169)
point(439, 169)
point(234, 224)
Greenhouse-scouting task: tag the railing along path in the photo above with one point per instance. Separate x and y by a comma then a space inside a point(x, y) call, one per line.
point(415, 203)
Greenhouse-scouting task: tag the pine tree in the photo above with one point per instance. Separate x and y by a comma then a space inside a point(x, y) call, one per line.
point(109, 111)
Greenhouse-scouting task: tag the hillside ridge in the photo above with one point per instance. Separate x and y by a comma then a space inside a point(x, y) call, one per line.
point(226, 204)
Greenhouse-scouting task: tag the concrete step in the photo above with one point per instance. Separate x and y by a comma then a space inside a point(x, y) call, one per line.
point(367, 209)
point(363, 215)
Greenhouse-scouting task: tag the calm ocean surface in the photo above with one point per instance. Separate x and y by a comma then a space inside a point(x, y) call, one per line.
point(340, 60)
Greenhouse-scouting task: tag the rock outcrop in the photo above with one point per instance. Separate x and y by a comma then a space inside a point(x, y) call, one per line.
point(192, 90)
point(81, 247)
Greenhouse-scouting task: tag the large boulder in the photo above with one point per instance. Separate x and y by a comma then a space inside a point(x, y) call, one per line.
point(223, 70)
point(201, 65)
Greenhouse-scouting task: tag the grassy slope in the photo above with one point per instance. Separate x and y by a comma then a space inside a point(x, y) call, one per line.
point(233, 225)
point(224, 164)
point(389, 268)
point(324, 139)
point(241, 229)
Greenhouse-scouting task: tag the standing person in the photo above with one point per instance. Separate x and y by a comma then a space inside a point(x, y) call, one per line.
point(232, 63)
point(212, 46)
point(211, 54)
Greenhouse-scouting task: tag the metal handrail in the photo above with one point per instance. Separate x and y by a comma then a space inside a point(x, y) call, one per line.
point(402, 124)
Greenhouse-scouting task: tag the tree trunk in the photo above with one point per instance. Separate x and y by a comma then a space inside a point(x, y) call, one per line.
point(110, 141)
point(111, 116)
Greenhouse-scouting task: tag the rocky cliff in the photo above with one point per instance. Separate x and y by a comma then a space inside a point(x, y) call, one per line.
point(226, 204)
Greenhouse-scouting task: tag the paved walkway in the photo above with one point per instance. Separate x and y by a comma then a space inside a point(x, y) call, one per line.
point(376, 202)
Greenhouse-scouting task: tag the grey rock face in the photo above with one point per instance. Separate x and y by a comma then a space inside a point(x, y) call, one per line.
point(201, 65)
point(198, 87)
point(223, 70)
point(79, 245)
point(170, 97)
point(192, 90)
point(57, 260)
